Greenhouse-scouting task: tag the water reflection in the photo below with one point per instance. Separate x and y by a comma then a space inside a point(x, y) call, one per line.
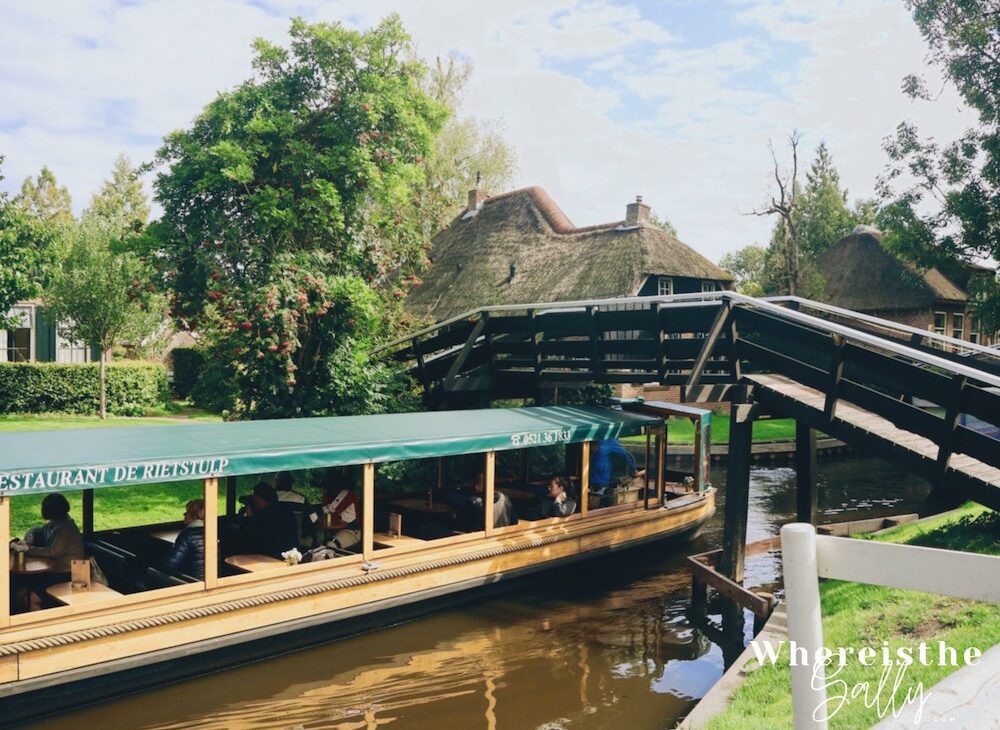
point(606, 645)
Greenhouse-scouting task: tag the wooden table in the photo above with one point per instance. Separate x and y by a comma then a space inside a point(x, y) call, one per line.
point(384, 538)
point(32, 565)
point(166, 535)
point(68, 596)
point(253, 563)
point(420, 505)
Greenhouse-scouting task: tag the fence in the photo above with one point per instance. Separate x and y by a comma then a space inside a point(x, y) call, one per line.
point(806, 557)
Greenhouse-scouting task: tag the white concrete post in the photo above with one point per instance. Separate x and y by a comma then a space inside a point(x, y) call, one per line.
point(805, 629)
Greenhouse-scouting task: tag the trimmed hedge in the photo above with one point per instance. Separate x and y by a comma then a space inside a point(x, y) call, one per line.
point(133, 387)
point(187, 362)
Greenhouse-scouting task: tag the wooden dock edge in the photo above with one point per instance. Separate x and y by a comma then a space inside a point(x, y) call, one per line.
point(717, 699)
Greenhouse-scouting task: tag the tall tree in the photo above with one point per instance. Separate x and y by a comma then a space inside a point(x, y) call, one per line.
point(22, 253)
point(823, 215)
point(289, 233)
point(785, 250)
point(43, 198)
point(99, 295)
point(943, 201)
point(467, 152)
point(121, 201)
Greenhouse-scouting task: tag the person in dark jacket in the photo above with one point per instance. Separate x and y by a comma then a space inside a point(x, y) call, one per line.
point(601, 472)
point(59, 540)
point(187, 556)
point(559, 502)
point(270, 528)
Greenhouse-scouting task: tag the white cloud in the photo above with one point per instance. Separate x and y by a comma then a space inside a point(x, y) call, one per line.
point(601, 101)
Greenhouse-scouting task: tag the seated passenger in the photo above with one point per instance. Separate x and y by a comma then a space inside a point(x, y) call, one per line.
point(559, 502)
point(59, 540)
point(472, 515)
point(187, 556)
point(268, 528)
point(341, 504)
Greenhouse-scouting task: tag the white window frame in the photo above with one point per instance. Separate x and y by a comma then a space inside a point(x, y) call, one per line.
point(707, 286)
point(27, 315)
point(68, 351)
point(943, 329)
point(974, 330)
point(958, 326)
point(664, 283)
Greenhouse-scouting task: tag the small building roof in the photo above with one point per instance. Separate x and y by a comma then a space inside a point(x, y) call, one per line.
point(861, 274)
point(521, 247)
point(52, 461)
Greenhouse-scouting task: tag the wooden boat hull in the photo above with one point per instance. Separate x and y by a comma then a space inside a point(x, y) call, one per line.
point(72, 660)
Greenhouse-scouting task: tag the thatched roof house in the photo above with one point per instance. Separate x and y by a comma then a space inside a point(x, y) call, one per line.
point(519, 247)
point(861, 274)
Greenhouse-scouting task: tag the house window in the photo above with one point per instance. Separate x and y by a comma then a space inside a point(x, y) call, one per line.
point(708, 286)
point(958, 326)
point(67, 351)
point(665, 286)
point(19, 337)
point(940, 322)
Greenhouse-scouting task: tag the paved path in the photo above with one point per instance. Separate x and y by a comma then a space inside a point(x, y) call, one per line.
point(967, 699)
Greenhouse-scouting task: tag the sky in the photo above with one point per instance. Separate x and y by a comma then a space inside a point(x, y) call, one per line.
point(674, 100)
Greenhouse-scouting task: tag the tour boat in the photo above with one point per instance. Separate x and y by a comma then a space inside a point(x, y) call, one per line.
point(144, 626)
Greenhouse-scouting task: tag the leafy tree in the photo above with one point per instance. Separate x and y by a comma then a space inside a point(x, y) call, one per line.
point(21, 256)
point(662, 223)
point(45, 200)
point(943, 201)
point(98, 295)
point(121, 200)
point(747, 267)
point(290, 231)
point(467, 152)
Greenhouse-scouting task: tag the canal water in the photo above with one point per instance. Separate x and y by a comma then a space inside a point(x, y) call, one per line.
point(606, 645)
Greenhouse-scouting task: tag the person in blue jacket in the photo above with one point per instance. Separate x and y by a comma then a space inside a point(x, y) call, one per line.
point(601, 469)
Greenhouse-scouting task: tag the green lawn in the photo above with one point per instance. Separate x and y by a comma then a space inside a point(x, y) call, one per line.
point(681, 430)
point(858, 615)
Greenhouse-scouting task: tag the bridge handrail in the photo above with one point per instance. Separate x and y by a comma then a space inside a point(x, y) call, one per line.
point(763, 304)
point(888, 324)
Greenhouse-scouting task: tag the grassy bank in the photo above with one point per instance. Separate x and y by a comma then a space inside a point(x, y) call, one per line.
point(858, 615)
point(681, 430)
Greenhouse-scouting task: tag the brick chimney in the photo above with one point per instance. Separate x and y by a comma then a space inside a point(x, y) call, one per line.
point(476, 195)
point(476, 198)
point(636, 213)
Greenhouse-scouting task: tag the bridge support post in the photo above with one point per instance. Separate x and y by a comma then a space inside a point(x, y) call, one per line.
point(734, 536)
point(806, 495)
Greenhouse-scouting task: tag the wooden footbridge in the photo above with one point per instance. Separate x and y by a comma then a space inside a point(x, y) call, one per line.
point(907, 395)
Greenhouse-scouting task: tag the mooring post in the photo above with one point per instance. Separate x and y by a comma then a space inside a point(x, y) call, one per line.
point(734, 535)
point(806, 495)
point(699, 597)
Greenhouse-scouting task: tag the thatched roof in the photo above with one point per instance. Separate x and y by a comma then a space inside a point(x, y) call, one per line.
point(552, 260)
point(861, 274)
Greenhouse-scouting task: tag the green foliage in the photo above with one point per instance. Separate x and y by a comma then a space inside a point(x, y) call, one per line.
point(187, 363)
point(289, 233)
point(585, 395)
point(24, 254)
point(44, 200)
point(663, 224)
point(747, 267)
point(944, 199)
point(132, 388)
point(121, 201)
point(824, 216)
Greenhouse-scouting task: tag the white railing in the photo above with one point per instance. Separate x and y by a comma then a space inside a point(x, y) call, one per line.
point(806, 557)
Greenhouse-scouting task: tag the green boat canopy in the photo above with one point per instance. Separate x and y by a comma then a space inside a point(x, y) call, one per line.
point(52, 461)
